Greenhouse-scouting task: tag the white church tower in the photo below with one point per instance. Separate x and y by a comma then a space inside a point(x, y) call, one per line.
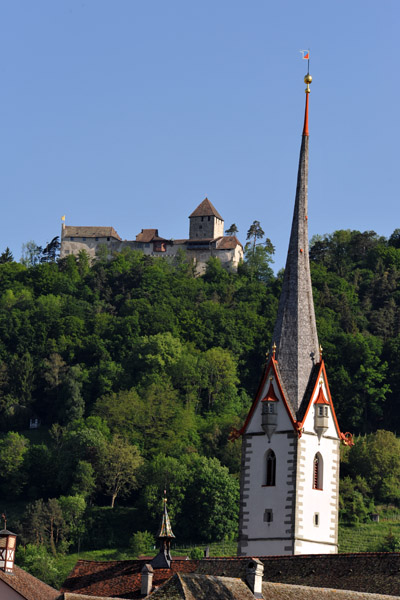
point(290, 457)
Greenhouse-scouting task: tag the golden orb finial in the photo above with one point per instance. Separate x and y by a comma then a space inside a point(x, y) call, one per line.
point(308, 80)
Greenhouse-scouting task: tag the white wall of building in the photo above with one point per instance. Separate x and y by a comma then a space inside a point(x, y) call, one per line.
point(294, 502)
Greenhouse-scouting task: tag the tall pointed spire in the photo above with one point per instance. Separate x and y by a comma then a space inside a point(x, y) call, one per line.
point(295, 333)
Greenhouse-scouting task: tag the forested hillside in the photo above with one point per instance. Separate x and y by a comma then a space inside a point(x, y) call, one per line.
point(138, 370)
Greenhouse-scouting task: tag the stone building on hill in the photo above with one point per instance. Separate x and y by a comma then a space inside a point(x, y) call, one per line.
point(206, 240)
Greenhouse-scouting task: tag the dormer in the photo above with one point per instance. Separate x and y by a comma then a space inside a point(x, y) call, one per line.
point(321, 414)
point(269, 412)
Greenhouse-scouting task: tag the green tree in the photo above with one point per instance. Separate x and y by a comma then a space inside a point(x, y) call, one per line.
point(211, 501)
point(141, 542)
point(255, 233)
point(13, 448)
point(376, 458)
point(30, 254)
point(6, 256)
point(73, 512)
point(233, 230)
point(39, 563)
point(118, 469)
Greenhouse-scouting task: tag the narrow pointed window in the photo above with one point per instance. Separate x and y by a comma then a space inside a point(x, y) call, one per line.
point(271, 468)
point(317, 472)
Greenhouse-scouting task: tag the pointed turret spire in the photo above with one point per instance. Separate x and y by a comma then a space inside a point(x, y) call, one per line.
point(165, 530)
point(164, 535)
point(295, 333)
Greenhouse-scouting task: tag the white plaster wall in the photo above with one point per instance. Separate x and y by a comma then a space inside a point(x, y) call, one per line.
point(269, 538)
point(310, 501)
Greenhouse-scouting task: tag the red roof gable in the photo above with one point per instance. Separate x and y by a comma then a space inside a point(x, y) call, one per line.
point(322, 371)
point(271, 366)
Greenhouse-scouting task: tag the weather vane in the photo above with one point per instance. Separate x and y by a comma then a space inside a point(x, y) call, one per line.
point(307, 78)
point(306, 56)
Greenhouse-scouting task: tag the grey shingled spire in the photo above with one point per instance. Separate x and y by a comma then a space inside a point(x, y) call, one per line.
point(295, 333)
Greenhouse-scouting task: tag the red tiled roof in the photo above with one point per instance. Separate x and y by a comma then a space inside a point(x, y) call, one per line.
point(228, 242)
point(90, 232)
point(205, 209)
point(119, 579)
point(372, 573)
point(28, 586)
point(147, 235)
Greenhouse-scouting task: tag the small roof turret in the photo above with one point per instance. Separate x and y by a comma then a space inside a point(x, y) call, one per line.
point(164, 535)
point(165, 530)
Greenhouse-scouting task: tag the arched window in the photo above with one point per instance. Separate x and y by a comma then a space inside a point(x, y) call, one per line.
point(271, 468)
point(318, 467)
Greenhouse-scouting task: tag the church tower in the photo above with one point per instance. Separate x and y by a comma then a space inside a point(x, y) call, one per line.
point(290, 453)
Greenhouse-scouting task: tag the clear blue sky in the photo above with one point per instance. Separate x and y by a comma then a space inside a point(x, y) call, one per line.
point(129, 112)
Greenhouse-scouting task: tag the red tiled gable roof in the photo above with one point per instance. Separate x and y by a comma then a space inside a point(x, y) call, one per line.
point(206, 209)
point(228, 242)
point(28, 586)
point(147, 235)
point(89, 232)
point(119, 579)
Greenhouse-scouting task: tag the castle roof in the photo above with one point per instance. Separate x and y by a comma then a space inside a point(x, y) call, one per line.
point(89, 232)
point(228, 242)
point(149, 235)
point(295, 333)
point(206, 209)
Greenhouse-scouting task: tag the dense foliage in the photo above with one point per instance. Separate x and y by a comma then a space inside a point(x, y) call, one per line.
point(138, 370)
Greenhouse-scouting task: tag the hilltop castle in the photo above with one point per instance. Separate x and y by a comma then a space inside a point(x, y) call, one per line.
point(206, 239)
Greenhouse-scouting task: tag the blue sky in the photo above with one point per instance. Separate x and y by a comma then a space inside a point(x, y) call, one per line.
point(129, 112)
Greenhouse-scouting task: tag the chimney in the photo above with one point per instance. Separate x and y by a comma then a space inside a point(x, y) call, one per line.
point(8, 541)
point(254, 576)
point(147, 580)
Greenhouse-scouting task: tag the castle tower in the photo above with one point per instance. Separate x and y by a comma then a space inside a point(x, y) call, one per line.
point(290, 452)
point(206, 222)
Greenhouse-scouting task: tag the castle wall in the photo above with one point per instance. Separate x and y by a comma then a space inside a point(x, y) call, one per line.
point(229, 258)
